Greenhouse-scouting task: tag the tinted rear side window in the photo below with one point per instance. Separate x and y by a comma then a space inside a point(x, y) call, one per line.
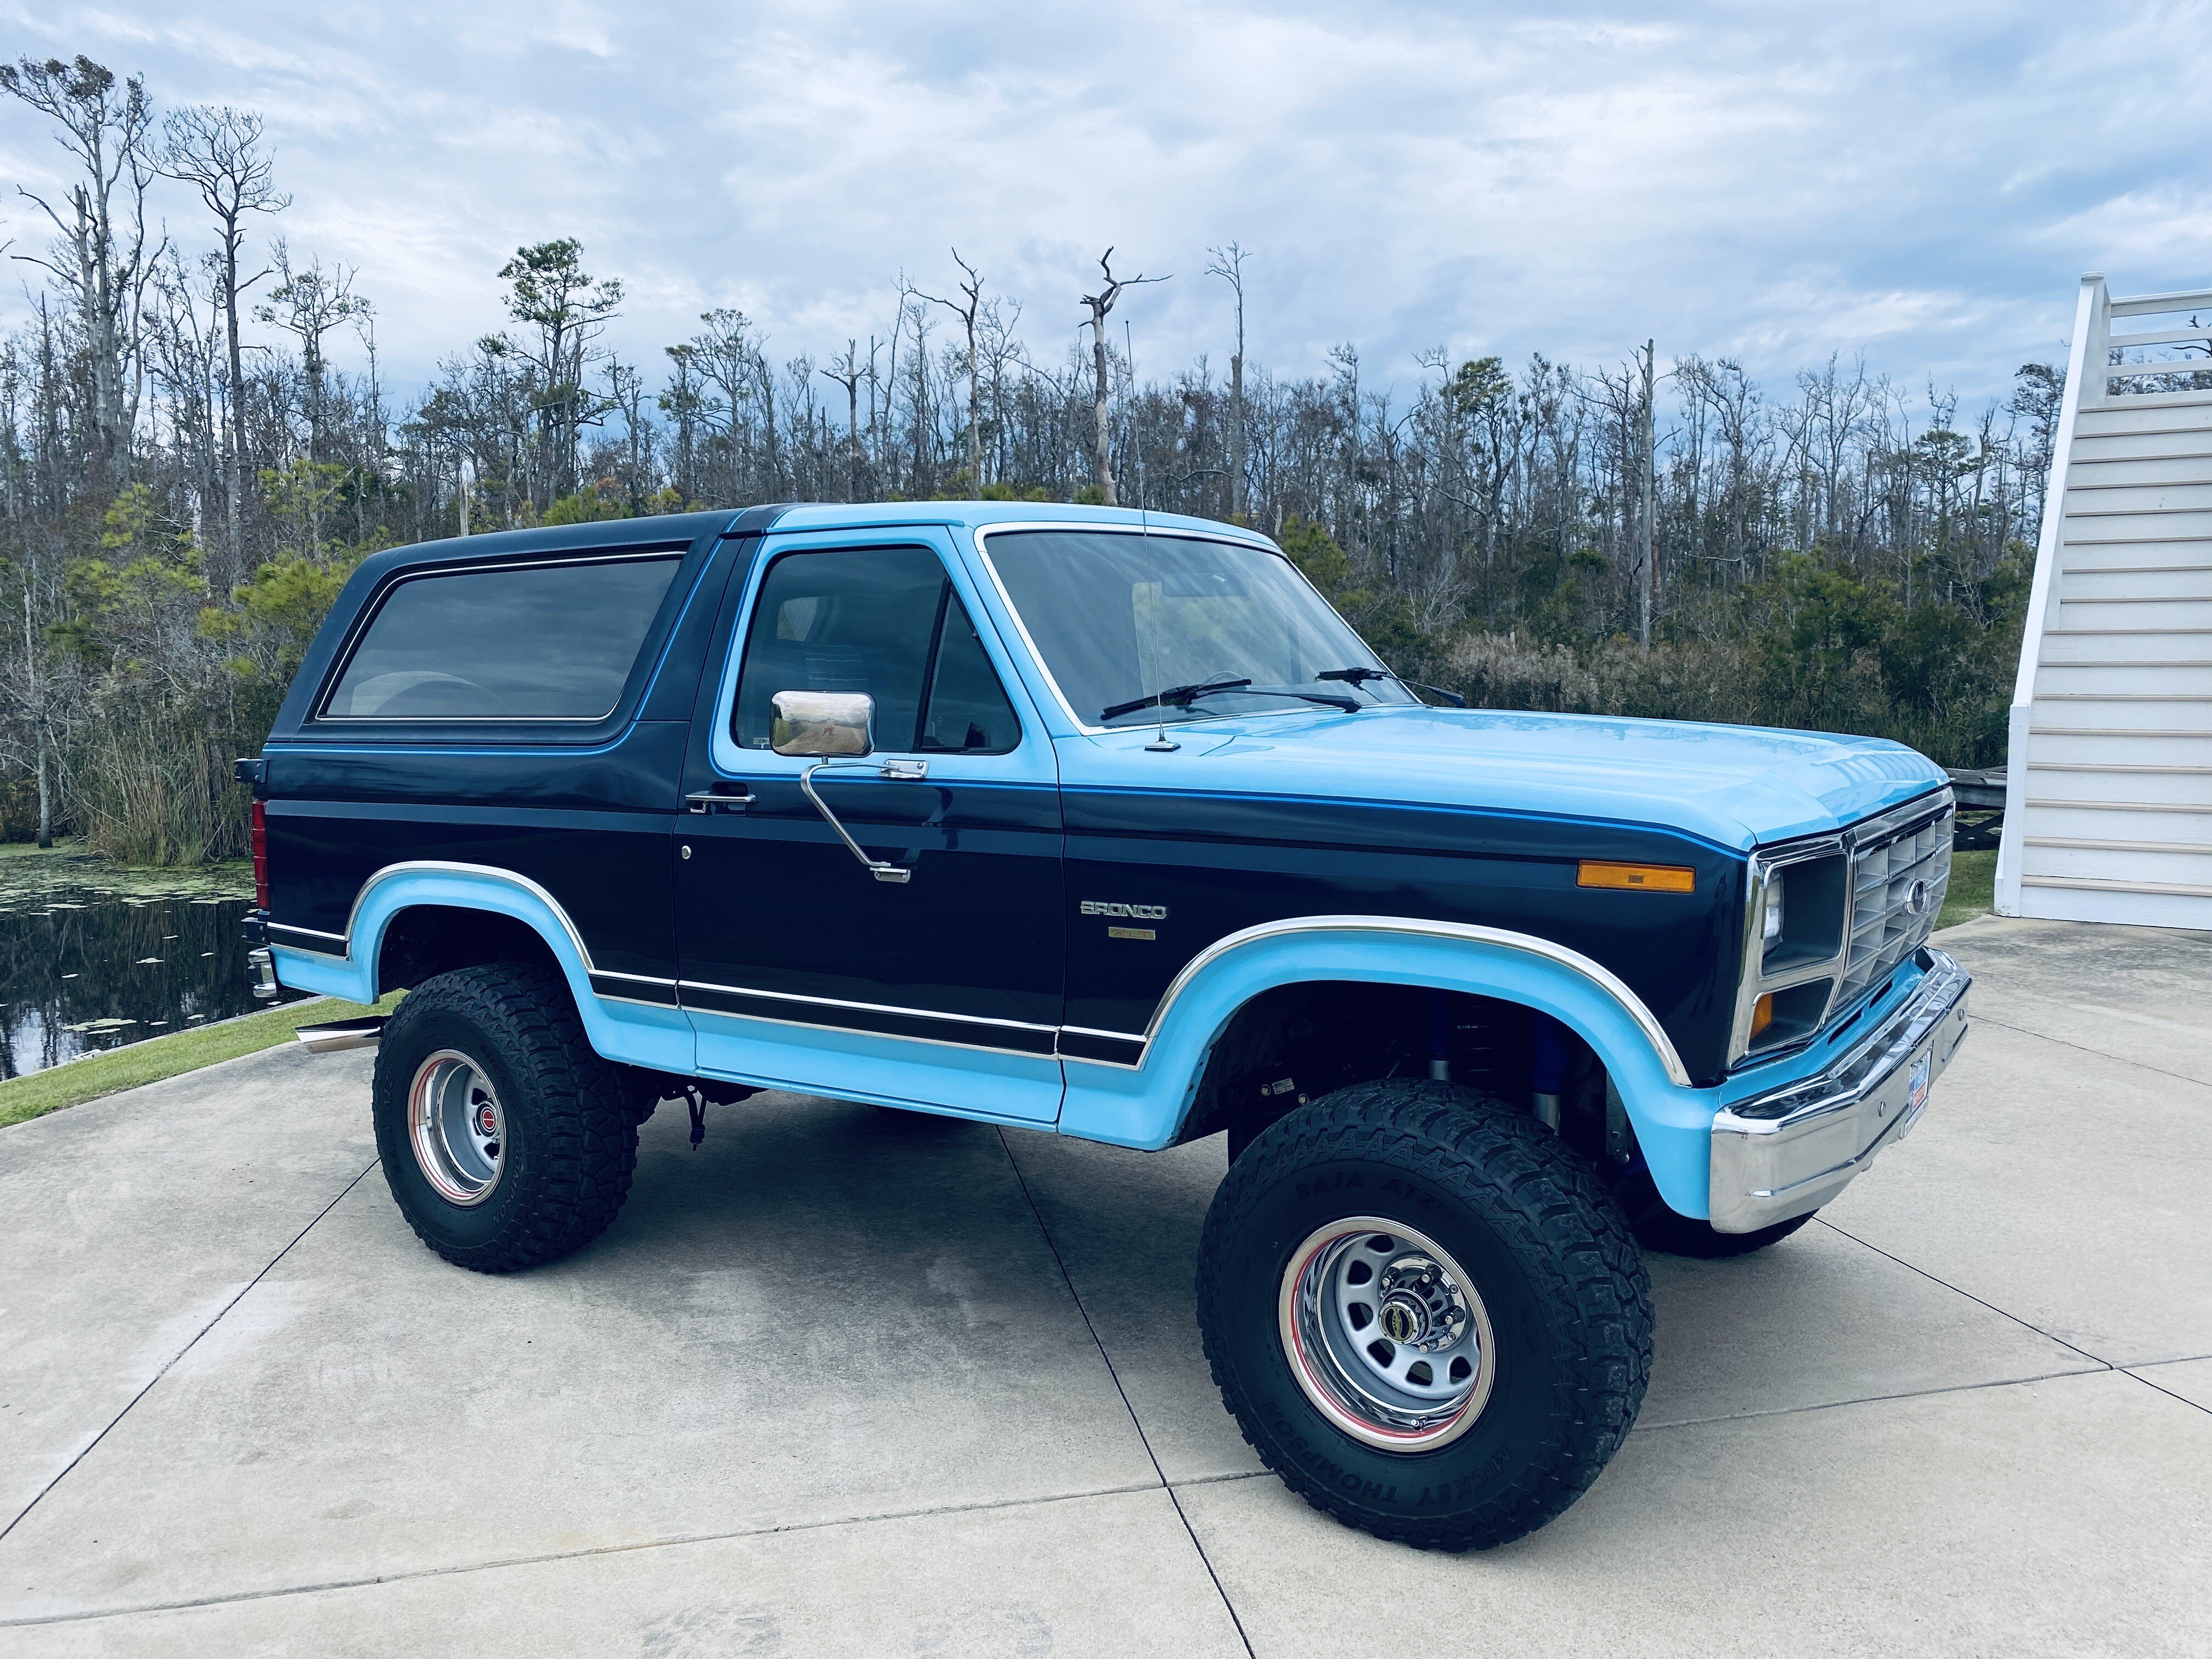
point(550, 642)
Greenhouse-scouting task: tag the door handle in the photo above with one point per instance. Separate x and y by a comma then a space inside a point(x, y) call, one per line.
point(715, 801)
point(904, 771)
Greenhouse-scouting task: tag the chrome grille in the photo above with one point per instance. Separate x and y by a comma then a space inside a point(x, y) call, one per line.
point(1885, 925)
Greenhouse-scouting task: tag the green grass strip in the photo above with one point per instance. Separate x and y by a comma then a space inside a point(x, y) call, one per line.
point(76, 1081)
point(1973, 891)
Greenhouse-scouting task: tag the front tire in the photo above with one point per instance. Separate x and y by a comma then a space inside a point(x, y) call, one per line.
point(1427, 1314)
point(506, 1142)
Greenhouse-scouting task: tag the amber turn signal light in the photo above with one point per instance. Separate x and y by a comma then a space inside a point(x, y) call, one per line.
point(1762, 1013)
point(1636, 878)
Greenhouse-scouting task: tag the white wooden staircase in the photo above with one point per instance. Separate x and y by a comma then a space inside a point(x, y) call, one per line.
point(2108, 793)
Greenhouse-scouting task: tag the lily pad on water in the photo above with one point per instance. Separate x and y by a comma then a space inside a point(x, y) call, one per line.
point(100, 1025)
point(143, 961)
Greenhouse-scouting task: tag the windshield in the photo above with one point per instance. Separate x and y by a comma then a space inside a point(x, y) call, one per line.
point(1122, 619)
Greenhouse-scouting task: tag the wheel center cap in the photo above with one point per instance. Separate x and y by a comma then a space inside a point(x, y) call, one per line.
point(488, 1120)
point(1403, 1319)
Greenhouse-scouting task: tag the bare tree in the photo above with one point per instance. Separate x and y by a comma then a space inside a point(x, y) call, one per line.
point(217, 151)
point(1101, 453)
point(102, 266)
point(1229, 266)
point(972, 296)
point(625, 395)
point(847, 373)
point(1647, 460)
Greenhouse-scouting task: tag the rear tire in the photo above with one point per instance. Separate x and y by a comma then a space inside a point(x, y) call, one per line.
point(1505, 1272)
point(506, 1141)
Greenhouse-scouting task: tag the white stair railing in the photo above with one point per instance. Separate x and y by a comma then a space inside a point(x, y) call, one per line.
point(2108, 796)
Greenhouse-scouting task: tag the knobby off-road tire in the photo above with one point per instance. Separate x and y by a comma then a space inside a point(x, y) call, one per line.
point(506, 1140)
point(1661, 1229)
point(1538, 1312)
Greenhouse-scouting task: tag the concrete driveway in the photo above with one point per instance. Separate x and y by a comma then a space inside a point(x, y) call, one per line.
point(853, 1381)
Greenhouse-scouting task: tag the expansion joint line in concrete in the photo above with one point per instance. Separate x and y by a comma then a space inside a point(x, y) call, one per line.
point(685, 1540)
point(86, 1450)
point(2026, 1325)
point(2137, 1373)
point(2083, 1048)
point(1135, 1422)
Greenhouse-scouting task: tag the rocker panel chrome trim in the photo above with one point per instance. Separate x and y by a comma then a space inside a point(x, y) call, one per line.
point(864, 1008)
point(875, 1018)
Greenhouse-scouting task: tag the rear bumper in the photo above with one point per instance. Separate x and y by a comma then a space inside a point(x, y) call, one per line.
point(1787, 1152)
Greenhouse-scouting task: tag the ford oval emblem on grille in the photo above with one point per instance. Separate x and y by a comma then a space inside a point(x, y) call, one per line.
point(1916, 900)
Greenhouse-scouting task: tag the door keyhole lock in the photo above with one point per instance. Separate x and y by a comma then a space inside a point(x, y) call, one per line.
point(687, 852)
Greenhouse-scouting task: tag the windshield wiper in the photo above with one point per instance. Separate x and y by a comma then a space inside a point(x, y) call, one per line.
point(1181, 696)
point(1361, 676)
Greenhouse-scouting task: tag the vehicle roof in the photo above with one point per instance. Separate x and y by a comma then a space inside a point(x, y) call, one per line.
point(668, 527)
point(978, 514)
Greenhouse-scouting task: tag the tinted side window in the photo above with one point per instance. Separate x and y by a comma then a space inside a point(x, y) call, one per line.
point(880, 620)
point(551, 641)
point(853, 620)
point(968, 711)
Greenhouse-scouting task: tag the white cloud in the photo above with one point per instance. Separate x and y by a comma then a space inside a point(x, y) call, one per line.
point(1777, 182)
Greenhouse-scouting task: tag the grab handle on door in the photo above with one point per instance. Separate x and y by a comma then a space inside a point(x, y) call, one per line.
point(904, 770)
point(725, 798)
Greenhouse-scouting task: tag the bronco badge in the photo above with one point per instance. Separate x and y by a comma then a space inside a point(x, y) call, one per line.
point(1134, 912)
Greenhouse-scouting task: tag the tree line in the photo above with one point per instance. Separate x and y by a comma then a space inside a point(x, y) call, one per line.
point(187, 476)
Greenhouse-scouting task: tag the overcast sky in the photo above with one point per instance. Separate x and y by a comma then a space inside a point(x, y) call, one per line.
point(1924, 183)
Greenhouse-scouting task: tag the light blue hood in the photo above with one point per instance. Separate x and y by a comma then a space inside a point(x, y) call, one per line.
point(1740, 786)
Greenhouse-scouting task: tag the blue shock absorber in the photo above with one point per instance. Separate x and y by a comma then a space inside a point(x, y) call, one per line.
point(1547, 1070)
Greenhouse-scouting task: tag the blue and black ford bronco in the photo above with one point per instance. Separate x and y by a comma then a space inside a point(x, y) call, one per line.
point(1103, 823)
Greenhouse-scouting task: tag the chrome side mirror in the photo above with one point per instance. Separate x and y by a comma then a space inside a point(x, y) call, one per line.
point(823, 724)
point(832, 729)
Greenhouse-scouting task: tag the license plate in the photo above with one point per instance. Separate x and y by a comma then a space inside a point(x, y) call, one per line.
point(1916, 1097)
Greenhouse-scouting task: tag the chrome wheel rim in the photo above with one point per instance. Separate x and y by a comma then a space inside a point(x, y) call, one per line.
point(1386, 1334)
point(457, 1126)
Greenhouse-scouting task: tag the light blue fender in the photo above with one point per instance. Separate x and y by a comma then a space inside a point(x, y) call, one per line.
point(1144, 1105)
point(640, 1033)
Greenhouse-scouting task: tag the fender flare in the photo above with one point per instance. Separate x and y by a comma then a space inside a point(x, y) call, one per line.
point(628, 1017)
point(1145, 1104)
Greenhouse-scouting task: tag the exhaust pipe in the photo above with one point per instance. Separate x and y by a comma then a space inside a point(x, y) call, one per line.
point(341, 1034)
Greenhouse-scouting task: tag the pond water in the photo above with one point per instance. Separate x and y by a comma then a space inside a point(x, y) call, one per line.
point(93, 956)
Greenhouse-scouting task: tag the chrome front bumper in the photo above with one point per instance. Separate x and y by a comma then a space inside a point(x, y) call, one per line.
point(1789, 1152)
